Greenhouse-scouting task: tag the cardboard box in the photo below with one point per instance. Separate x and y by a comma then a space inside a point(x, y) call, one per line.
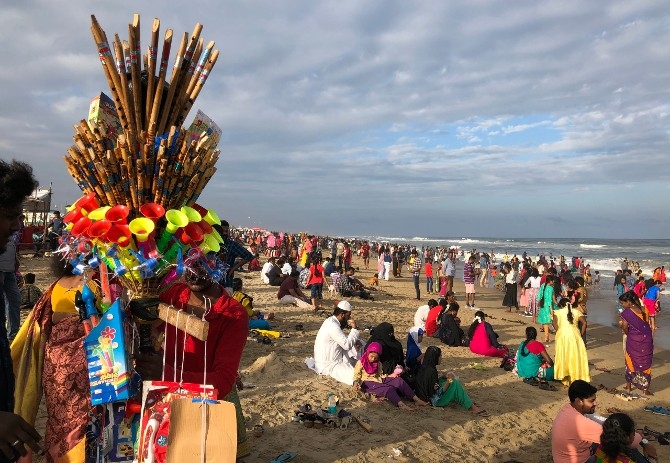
point(102, 114)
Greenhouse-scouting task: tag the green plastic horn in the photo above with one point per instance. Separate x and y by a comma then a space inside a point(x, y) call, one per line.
point(209, 244)
point(175, 220)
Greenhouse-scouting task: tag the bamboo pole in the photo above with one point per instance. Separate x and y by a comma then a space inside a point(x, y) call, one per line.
point(176, 70)
point(134, 43)
point(151, 69)
point(158, 96)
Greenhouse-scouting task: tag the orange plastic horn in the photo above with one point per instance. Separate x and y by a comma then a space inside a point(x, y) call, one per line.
point(191, 234)
point(119, 234)
point(88, 203)
point(99, 228)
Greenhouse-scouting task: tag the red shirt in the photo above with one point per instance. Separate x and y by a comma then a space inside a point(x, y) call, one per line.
point(431, 320)
point(228, 327)
point(315, 275)
point(429, 270)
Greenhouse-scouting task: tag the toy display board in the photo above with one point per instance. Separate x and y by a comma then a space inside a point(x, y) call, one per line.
point(157, 399)
point(120, 433)
point(106, 358)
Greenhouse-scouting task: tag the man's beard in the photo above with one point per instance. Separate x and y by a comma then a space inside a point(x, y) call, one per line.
point(344, 323)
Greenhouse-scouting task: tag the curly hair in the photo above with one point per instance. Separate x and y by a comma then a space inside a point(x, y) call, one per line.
point(616, 437)
point(16, 183)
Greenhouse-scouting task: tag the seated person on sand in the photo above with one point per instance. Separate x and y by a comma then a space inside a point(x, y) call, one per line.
point(266, 269)
point(374, 281)
point(483, 340)
point(369, 377)
point(286, 266)
point(441, 391)
point(532, 359)
point(290, 293)
point(335, 352)
point(349, 286)
point(422, 313)
point(254, 264)
point(275, 275)
point(414, 356)
point(450, 331)
point(257, 321)
point(575, 433)
point(392, 356)
point(328, 267)
point(30, 293)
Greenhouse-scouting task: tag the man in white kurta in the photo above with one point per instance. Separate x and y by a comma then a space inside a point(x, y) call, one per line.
point(266, 268)
point(334, 350)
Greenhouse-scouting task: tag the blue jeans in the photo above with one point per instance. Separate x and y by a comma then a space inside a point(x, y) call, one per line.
point(416, 286)
point(12, 296)
point(429, 284)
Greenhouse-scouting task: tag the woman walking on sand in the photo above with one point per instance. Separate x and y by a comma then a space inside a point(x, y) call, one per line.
point(510, 298)
point(547, 303)
point(639, 343)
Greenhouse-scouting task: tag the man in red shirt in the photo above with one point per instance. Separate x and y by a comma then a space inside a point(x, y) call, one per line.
point(365, 254)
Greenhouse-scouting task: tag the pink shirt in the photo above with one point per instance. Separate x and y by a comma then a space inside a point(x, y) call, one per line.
point(572, 435)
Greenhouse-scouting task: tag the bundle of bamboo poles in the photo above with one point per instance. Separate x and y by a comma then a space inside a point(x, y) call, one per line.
point(135, 167)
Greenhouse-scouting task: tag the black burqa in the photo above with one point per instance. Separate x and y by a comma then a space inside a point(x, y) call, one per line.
point(449, 332)
point(392, 353)
point(427, 381)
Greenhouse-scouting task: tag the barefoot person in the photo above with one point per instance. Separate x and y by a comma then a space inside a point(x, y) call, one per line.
point(369, 377)
point(639, 350)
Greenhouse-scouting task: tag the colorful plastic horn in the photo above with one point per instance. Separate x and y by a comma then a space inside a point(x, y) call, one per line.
point(87, 203)
point(152, 211)
point(73, 216)
point(217, 236)
point(212, 217)
point(201, 210)
point(142, 228)
point(120, 234)
point(209, 244)
point(205, 227)
point(99, 213)
point(191, 234)
point(117, 214)
point(81, 226)
point(192, 214)
point(175, 219)
point(99, 229)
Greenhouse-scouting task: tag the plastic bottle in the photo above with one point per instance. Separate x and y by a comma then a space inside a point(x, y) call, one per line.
point(332, 404)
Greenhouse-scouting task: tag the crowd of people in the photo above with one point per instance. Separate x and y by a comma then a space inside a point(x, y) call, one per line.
point(406, 376)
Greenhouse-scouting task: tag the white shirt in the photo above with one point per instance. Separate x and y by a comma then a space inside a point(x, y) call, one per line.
point(331, 345)
point(266, 268)
point(534, 282)
point(286, 269)
point(420, 316)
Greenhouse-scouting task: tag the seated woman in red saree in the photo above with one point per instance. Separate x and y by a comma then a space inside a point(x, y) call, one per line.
point(483, 340)
point(639, 342)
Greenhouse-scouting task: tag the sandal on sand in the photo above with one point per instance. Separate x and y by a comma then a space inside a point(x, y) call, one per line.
point(299, 327)
point(657, 410)
point(623, 396)
point(258, 430)
point(483, 413)
point(546, 386)
point(531, 381)
point(286, 456)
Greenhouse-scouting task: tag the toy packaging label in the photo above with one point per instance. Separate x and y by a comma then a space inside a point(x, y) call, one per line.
point(106, 358)
point(102, 114)
point(120, 434)
point(202, 123)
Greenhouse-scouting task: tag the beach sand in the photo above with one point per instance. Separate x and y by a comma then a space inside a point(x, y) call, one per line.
point(521, 415)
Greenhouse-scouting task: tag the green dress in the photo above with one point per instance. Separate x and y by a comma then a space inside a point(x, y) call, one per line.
point(544, 315)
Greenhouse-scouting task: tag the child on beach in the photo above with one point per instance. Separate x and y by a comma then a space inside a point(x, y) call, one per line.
point(429, 277)
point(374, 280)
point(651, 300)
point(30, 293)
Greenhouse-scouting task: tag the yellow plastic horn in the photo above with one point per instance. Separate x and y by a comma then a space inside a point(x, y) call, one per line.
point(192, 214)
point(217, 236)
point(212, 217)
point(141, 227)
point(209, 244)
point(99, 213)
point(175, 220)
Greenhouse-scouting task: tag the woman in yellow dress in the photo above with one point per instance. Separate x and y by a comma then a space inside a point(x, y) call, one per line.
point(571, 361)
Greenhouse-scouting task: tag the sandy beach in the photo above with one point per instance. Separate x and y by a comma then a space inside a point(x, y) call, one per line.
point(521, 415)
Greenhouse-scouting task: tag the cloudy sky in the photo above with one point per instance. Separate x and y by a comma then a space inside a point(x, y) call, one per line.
point(395, 118)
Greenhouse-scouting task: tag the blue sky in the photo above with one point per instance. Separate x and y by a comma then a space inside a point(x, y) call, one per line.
point(460, 118)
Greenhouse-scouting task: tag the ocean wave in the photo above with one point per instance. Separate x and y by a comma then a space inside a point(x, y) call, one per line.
point(592, 246)
point(419, 238)
point(466, 241)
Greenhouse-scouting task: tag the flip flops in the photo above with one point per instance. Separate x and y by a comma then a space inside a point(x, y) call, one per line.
point(546, 386)
point(284, 457)
point(660, 438)
point(532, 381)
point(657, 410)
point(483, 413)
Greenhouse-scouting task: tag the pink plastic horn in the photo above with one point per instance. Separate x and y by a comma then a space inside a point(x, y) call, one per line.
point(117, 214)
point(152, 211)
